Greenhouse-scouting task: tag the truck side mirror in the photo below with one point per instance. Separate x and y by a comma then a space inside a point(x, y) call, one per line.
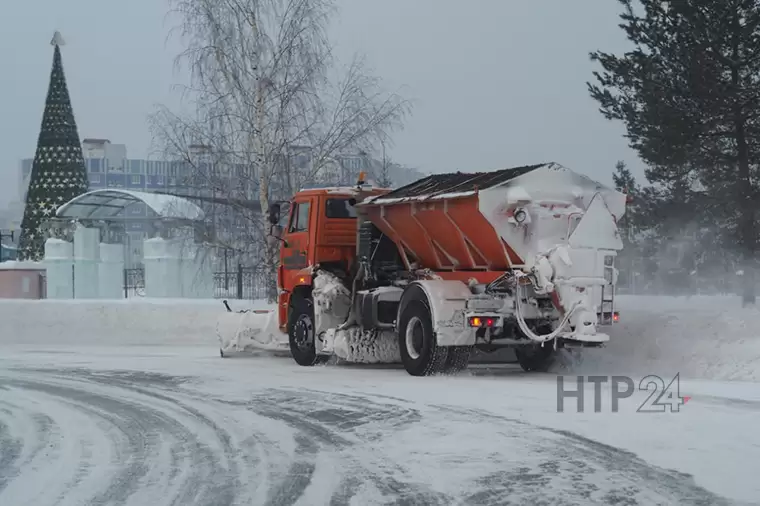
point(274, 213)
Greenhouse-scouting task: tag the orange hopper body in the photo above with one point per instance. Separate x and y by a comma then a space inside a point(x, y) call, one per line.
point(443, 229)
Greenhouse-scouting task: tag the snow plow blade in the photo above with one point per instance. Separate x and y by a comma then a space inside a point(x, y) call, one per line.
point(249, 330)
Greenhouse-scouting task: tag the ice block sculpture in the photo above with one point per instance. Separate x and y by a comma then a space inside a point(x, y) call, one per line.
point(111, 271)
point(59, 264)
point(86, 260)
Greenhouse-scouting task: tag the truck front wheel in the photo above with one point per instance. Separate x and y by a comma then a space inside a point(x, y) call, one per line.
point(301, 333)
point(420, 353)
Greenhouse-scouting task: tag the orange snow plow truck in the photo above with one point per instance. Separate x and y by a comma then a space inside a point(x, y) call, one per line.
point(424, 274)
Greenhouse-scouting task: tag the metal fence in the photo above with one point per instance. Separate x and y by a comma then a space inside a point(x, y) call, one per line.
point(134, 282)
point(238, 283)
point(43, 284)
point(241, 283)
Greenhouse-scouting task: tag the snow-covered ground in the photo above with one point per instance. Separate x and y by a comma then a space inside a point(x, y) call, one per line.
point(129, 403)
point(700, 337)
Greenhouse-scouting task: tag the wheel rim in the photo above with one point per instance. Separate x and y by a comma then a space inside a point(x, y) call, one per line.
point(303, 333)
point(414, 337)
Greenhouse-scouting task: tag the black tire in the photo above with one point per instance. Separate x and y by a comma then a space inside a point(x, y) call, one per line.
point(422, 356)
point(536, 358)
point(457, 359)
point(301, 333)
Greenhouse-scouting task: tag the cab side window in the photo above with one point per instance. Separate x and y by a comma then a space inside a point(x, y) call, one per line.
point(299, 221)
point(339, 208)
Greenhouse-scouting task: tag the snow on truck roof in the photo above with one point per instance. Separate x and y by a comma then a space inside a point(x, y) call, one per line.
point(452, 185)
point(336, 190)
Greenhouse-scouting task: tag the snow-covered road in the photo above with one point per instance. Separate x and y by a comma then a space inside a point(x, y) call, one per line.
point(158, 425)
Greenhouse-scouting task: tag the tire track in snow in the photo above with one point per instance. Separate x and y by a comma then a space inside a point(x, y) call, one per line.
point(142, 446)
point(523, 463)
point(23, 436)
point(582, 470)
point(10, 449)
point(145, 384)
point(156, 441)
point(342, 424)
point(745, 404)
point(139, 438)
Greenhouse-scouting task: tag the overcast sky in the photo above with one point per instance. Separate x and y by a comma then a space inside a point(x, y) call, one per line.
point(497, 83)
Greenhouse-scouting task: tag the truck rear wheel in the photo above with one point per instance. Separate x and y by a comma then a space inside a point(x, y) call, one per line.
point(301, 333)
point(536, 358)
point(457, 359)
point(420, 352)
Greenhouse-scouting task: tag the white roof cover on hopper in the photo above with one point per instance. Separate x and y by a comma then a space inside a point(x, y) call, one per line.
point(108, 203)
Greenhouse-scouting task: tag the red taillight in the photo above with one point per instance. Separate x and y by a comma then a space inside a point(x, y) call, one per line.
point(615, 316)
point(477, 321)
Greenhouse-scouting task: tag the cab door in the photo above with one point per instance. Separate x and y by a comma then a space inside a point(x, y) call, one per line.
point(295, 251)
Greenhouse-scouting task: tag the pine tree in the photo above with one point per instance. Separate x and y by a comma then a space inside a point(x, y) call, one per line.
point(58, 171)
point(623, 179)
point(626, 183)
point(689, 96)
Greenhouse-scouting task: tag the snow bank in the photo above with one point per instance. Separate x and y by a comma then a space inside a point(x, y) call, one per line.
point(698, 337)
point(119, 322)
point(13, 265)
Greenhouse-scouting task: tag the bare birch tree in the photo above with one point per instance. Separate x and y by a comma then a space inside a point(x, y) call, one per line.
point(261, 84)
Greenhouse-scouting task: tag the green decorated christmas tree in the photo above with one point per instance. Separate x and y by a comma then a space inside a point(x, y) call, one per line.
point(58, 171)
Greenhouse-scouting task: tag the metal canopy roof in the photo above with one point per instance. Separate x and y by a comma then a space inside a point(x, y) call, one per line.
point(106, 204)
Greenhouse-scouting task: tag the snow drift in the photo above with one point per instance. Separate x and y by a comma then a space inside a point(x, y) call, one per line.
point(707, 337)
point(138, 321)
point(700, 337)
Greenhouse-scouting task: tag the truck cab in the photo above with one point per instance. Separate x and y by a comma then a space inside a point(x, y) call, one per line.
point(318, 229)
